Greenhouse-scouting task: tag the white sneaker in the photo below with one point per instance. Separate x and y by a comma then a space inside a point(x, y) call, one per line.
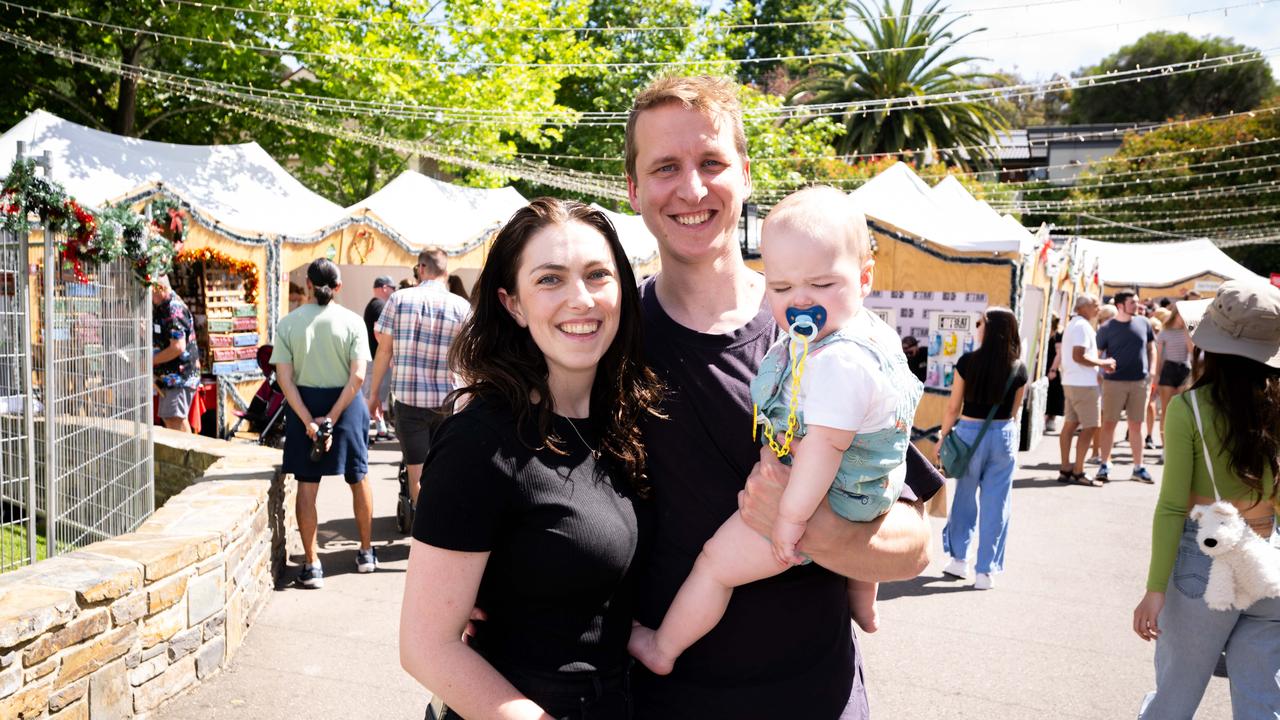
point(983, 581)
point(957, 568)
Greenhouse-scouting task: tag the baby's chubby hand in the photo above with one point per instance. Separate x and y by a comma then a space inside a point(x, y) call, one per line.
point(785, 535)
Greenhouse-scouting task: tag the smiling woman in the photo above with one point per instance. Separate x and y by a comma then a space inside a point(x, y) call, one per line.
point(527, 508)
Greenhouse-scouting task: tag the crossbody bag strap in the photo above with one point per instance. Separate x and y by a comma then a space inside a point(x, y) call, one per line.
point(1195, 410)
point(991, 414)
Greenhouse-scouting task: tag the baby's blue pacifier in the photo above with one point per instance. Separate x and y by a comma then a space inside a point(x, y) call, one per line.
point(806, 321)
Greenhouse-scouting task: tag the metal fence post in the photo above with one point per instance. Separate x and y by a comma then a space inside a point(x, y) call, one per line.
point(50, 394)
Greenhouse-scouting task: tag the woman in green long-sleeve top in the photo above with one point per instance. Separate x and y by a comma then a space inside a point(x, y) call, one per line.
point(1238, 403)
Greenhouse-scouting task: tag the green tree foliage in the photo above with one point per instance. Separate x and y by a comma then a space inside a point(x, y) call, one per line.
point(612, 89)
point(878, 73)
point(127, 106)
point(802, 35)
point(1238, 87)
point(349, 51)
point(1170, 160)
point(1029, 110)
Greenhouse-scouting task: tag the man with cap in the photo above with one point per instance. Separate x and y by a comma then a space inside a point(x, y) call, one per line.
point(416, 328)
point(383, 286)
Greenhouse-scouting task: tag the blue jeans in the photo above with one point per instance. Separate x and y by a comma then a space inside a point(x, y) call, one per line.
point(1192, 637)
point(991, 474)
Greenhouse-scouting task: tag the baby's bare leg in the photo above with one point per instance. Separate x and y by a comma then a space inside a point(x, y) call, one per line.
point(862, 604)
point(735, 555)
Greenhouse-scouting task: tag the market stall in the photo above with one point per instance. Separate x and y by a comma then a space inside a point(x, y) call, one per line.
point(640, 244)
point(225, 208)
point(1163, 269)
point(382, 234)
point(941, 259)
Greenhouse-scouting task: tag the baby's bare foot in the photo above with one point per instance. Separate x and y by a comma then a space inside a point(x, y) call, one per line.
point(643, 645)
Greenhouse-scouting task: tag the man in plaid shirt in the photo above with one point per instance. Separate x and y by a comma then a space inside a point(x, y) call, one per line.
point(415, 330)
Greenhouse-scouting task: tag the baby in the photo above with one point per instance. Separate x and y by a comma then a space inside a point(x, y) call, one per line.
point(856, 399)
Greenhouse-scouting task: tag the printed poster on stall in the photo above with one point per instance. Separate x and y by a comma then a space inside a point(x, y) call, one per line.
point(908, 312)
point(951, 334)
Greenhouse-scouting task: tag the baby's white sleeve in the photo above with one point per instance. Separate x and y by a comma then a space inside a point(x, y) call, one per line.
point(844, 388)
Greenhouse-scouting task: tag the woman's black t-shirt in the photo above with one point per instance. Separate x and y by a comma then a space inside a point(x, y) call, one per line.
point(561, 531)
point(975, 409)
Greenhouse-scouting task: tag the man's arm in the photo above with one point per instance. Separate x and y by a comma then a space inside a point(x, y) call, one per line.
point(894, 546)
point(177, 346)
point(380, 364)
point(1078, 354)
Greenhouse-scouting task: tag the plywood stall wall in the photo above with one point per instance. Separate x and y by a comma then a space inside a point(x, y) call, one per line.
point(1206, 284)
point(908, 265)
point(371, 245)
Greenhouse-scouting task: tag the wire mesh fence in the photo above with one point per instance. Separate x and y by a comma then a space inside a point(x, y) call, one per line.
point(94, 457)
point(75, 403)
point(19, 543)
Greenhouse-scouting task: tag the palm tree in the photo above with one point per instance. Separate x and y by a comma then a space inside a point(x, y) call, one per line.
point(880, 72)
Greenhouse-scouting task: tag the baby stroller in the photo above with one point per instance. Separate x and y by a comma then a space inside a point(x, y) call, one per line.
point(266, 411)
point(404, 507)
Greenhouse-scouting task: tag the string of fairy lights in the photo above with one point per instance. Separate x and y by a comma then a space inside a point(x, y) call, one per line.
point(300, 110)
point(471, 64)
point(611, 29)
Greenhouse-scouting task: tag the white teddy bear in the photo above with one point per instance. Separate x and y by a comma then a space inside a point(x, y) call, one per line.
point(1245, 567)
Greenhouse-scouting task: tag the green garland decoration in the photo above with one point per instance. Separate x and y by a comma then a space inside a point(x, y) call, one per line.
point(87, 239)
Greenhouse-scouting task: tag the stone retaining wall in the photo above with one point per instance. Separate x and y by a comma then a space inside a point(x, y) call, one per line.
point(116, 628)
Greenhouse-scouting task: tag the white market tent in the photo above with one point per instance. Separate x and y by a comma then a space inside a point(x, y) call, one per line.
point(1160, 264)
point(424, 211)
point(946, 214)
point(237, 186)
point(986, 226)
point(640, 244)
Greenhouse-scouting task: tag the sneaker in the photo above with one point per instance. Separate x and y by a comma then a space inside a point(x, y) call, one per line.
point(1149, 443)
point(1103, 474)
point(366, 560)
point(1141, 475)
point(957, 568)
point(1095, 460)
point(983, 581)
point(312, 576)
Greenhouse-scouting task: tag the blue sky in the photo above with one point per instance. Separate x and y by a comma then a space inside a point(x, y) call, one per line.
point(1255, 23)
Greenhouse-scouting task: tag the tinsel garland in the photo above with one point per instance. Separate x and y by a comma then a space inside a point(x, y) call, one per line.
point(85, 239)
point(243, 268)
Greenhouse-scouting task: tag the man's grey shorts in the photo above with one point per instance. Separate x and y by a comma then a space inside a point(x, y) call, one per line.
point(415, 426)
point(175, 402)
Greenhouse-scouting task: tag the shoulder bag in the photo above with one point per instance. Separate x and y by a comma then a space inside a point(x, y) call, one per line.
point(954, 453)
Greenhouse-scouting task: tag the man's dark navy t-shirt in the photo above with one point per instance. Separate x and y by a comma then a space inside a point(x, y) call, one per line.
point(785, 647)
point(1127, 344)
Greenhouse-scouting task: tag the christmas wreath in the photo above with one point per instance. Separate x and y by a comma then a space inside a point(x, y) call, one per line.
point(85, 239)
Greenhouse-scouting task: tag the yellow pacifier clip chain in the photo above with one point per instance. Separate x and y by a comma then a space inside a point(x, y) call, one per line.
point(797, 369)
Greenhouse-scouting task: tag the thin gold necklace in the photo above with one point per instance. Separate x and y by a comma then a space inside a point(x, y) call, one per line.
point(594, 453)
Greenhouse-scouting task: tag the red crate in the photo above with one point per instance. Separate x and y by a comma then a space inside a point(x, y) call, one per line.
point(247, 353)
point(246, 323)
point(221, 341)
point(221, 354)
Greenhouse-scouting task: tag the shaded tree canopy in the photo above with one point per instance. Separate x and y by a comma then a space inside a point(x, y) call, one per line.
point(1238, 87)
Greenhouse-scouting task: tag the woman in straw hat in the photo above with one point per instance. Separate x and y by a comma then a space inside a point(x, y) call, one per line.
point(1211, 453)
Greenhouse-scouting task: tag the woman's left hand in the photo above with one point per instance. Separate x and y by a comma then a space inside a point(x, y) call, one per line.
point(1146, 615)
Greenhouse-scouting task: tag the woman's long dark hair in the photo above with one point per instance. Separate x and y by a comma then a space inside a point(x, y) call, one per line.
point(499, 360)
point(991, 363)
point(1247, 395)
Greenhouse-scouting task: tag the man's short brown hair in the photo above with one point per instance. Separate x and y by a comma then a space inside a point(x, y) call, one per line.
point(714, 97)
point(434, 262)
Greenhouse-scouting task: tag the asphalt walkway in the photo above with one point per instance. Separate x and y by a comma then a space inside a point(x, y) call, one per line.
point(1052, 639)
